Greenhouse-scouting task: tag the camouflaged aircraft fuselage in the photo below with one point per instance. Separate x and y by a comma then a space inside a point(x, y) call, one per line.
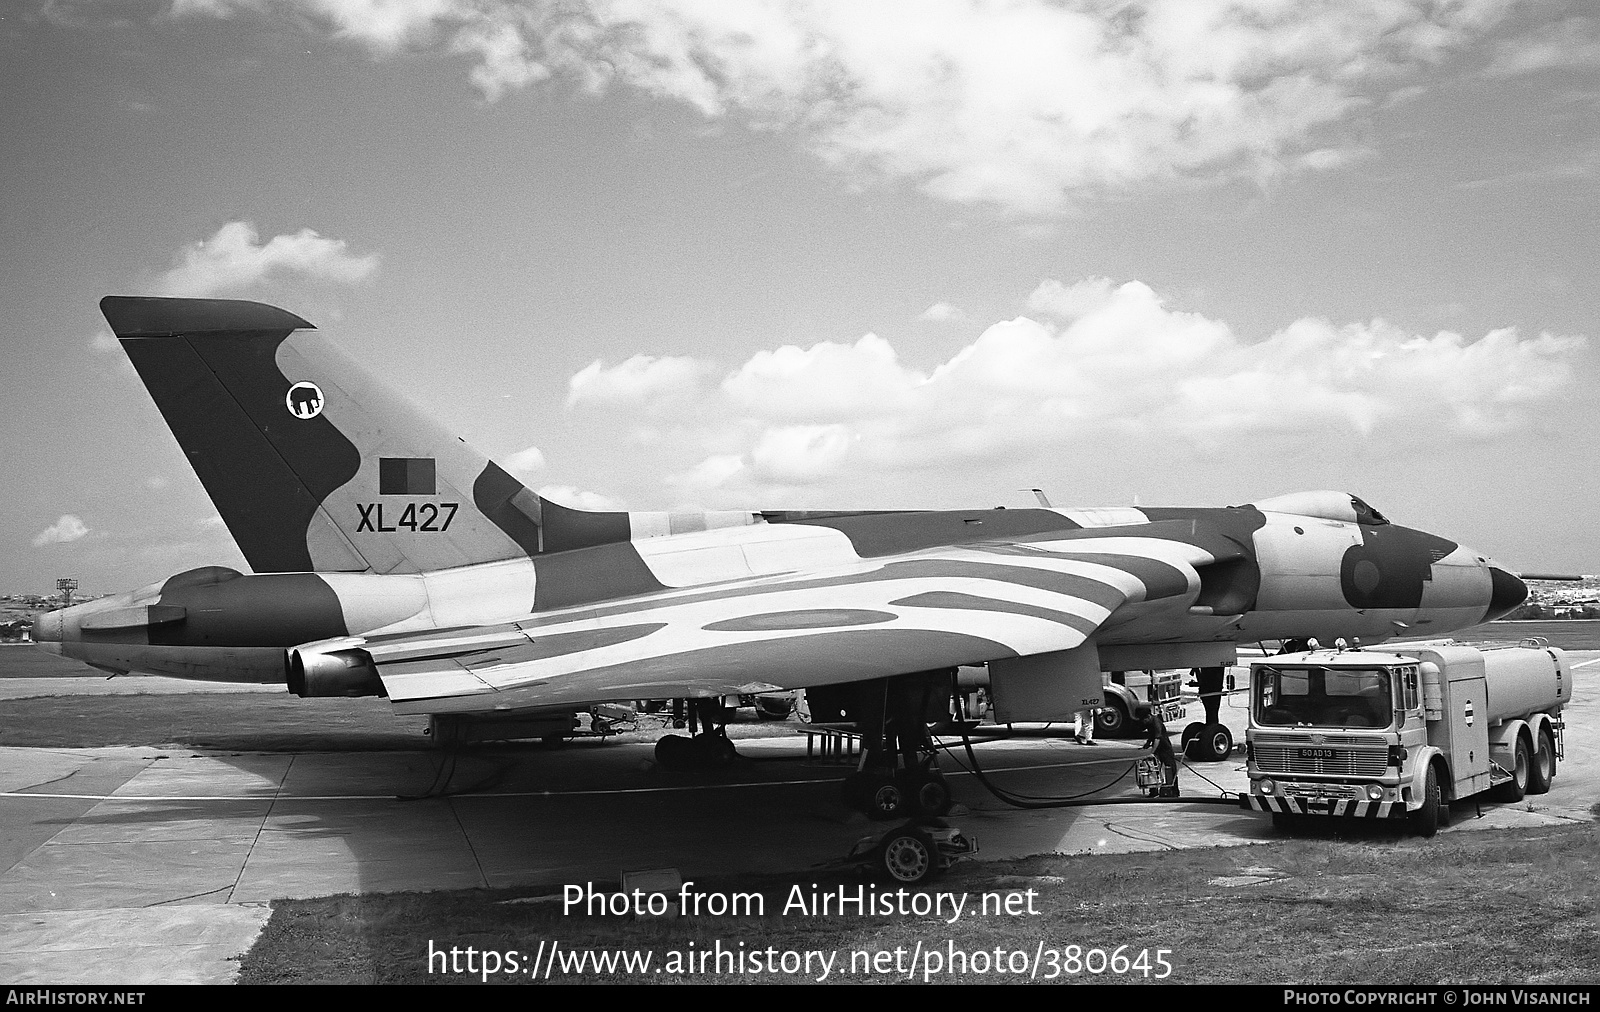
point(392, 557)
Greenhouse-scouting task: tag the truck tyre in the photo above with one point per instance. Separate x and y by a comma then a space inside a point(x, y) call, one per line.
point(1543, 770)
point(1517, 787)
point(1425, 820)
point(1112, 721)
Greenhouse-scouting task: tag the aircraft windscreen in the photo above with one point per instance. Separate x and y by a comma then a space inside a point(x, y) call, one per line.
point(1323, 697)
point(1366, 514)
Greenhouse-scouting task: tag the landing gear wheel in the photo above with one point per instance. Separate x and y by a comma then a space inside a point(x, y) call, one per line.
point(933, 796)
point(714, 749)
point(1543, 770)
point(886, 799)
point(1425, 820)
point(1212, 744)
point(774, 708)
point(907, 856)
point(1111, 721)
point(675, 752)
point(1517, 787)
point(1191, 731)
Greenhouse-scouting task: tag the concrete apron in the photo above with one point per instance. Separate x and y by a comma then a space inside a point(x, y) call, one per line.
point(144, 865)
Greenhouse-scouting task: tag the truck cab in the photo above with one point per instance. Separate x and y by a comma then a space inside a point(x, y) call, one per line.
point(1402, 733)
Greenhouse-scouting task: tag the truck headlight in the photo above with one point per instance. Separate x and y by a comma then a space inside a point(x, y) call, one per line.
point(1375, 792)
point(1266, 786)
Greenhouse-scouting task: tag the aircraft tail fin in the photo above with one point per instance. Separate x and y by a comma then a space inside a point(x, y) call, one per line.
point(313, 464)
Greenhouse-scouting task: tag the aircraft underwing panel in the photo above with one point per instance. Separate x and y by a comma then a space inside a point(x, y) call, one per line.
point(873, 619)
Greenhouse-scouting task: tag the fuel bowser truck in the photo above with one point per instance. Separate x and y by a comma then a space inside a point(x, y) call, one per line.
point(1402, 733)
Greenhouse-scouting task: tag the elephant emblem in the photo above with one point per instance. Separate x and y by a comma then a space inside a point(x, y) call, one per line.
point(304, 400)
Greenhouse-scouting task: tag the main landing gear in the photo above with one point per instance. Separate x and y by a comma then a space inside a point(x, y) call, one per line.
point(1206, 743)
point(704, 749)
point(898, 776)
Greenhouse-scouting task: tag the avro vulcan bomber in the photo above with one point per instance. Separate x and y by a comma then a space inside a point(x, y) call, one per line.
point(392, 558)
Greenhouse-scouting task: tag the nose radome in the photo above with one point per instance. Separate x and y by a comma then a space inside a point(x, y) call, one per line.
point(1505, 593)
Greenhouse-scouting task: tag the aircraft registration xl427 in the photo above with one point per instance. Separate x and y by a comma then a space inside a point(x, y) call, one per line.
point(392, 558)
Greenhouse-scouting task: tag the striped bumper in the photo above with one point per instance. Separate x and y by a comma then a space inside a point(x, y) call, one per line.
point(1329, 806)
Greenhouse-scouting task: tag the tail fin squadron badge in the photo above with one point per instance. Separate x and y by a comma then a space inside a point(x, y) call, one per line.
point(304, 400)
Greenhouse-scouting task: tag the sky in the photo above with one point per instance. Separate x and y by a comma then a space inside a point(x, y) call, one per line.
point(823, 255)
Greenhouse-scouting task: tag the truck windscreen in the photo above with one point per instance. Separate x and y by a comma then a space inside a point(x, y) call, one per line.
point(1322, 697)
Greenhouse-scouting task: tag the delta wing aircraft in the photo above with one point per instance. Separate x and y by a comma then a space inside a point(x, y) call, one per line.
point(392, 558)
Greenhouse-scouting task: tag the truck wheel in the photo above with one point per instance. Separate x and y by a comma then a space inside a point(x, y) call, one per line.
point(1517, 787)
point(1112, 721)
point(1425, 820)
point(1543, 770)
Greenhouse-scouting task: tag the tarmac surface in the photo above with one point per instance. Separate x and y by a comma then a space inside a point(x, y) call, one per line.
point(133, 865)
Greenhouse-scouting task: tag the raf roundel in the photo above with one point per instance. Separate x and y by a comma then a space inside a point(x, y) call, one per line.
point(304, 400)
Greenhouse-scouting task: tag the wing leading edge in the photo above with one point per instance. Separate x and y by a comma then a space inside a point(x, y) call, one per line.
point(918, 611)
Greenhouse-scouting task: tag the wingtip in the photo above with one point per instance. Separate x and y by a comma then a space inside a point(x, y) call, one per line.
point(152, 316)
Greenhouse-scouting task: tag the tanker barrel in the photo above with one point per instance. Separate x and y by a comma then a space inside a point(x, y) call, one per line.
point(1524, 680)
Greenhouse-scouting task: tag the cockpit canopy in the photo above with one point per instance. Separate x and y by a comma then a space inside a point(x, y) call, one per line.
point(1324, 505)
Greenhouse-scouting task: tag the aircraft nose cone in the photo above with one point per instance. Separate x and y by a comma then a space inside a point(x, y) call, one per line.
point(47, 627)
point(1506, 592)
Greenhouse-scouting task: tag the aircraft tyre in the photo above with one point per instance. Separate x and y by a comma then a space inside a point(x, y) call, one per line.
point(1521, 763)
point(1191, 732)
point(774, 711)
point(932, 795)
point(886, 798)
point(1425, 820)
point(1543, 770)
point(1213, 744)
point(1112, 720)
point(907, 856)
point(714, 749)
point(674, 752)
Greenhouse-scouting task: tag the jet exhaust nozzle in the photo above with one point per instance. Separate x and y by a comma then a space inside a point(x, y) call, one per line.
point(312, 671)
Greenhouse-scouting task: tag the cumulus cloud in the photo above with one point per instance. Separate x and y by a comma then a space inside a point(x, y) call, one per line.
point(526, 462)
point(1104, 362)
point(824, 382)
point(235, 258)
point(1573, 42)
point(1029, 105)
point(578, 498)
point(68, 528)
point(639, 380)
